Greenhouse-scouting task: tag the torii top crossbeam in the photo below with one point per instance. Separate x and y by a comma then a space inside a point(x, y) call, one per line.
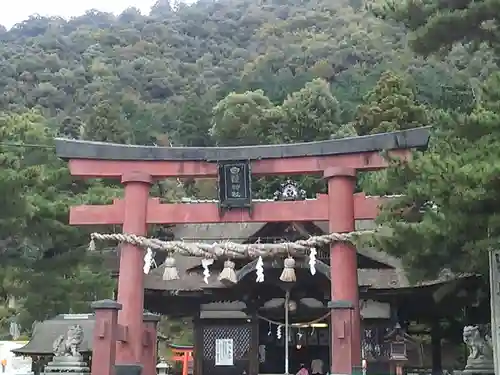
point(101, 160)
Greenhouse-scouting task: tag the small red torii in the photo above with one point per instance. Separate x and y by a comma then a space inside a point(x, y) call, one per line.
point(139, 166)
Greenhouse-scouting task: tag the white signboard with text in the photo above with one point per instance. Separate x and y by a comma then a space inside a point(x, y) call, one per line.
point(224, 352)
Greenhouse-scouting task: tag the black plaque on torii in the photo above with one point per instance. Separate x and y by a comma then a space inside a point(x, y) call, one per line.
point(234, 185)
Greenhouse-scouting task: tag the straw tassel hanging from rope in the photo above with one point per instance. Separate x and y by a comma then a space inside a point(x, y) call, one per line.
point(228, 274)
point(288, 274)
point(170, 271)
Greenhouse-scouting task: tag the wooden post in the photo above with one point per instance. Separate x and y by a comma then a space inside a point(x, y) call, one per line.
point(105, 335)
point(150, 347)
point(131, 277)
point(436, 336)
point(345, 318)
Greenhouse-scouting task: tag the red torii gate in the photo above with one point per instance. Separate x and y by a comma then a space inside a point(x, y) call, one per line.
point(138, 166)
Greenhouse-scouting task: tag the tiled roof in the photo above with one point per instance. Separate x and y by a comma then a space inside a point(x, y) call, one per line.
point(391, 277)
point(46, 332)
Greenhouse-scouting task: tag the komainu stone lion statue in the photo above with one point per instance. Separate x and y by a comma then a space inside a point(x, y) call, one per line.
point(69, 343)
point(479, 345)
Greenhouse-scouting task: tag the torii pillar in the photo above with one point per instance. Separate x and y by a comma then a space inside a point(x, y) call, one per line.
point(131, 285)
point(345, 324)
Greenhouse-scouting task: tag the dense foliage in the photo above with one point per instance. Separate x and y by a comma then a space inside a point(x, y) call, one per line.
point(438, 25)
point(447, 216)
point(238, 73)
point(44, 268)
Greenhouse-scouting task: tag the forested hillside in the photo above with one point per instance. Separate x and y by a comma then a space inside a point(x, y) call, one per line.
point(164, 73)
point(234, 72)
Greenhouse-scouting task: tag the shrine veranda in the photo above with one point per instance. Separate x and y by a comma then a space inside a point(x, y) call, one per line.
point(334, 283)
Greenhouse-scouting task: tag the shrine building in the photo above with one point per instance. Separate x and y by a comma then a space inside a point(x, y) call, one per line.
point(253, 314)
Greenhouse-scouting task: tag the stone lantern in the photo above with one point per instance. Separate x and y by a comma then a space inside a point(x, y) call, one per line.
point(162, 368)
point(397, 340)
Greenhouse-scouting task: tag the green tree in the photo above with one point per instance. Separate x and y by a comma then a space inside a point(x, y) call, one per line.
point(38, 245)
point(241, 119)
point(438, 25)
point(29, 178)
point(71, 127)
point(312, 114)
point(447, 215)
point(71, 282)
point(107, 124)
point(389, 106)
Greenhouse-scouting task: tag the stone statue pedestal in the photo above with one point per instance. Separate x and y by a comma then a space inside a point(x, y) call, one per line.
point(478, 371)
point(67, 364)
point(479, 366)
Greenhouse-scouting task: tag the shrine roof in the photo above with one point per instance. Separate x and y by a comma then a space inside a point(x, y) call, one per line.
point(237, 232)
point(193, 281)
point(390, 275)
point(46, 332)
point(404, 139)
point(386, 272)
